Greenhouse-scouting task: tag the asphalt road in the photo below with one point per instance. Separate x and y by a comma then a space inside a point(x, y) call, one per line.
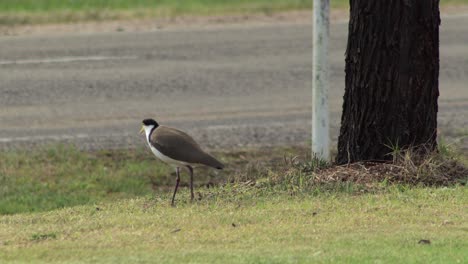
point(229, 87)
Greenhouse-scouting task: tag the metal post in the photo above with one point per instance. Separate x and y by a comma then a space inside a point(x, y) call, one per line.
point(320, 80)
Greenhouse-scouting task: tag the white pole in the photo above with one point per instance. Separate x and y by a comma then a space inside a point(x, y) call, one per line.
point(320, 80)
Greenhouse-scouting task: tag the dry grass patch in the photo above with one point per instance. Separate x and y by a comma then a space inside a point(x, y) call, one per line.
point(445, 167)
point(438, 168)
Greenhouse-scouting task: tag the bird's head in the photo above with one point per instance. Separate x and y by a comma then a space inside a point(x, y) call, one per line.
point(148, 125)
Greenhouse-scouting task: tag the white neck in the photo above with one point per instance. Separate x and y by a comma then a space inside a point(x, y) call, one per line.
point(148, 131)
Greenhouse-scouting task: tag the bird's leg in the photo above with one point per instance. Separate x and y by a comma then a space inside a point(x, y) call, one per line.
point(176, 186)
point(191, 183)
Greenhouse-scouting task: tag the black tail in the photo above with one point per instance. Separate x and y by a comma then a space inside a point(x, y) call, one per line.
point(210, 161)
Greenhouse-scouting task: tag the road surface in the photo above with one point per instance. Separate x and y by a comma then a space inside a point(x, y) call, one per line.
point(229, 87)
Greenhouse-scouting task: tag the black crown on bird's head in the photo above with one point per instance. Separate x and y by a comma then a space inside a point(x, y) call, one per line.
point(150, 122)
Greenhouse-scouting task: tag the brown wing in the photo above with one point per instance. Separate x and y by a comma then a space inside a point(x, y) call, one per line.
point(179, 146)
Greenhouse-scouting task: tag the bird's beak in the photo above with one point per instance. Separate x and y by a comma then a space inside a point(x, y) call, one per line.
point(142, 130)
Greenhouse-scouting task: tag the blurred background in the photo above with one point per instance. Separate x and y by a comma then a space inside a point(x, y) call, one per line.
point(233, 73)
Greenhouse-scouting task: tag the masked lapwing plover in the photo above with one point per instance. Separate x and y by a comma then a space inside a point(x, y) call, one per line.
point(177, 149)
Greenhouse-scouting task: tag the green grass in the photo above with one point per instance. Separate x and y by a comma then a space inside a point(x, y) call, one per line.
point(13, 12)
point(248, 227)
point(61, 205)
point(41, 5)
point(62, 176)
point(51, 11)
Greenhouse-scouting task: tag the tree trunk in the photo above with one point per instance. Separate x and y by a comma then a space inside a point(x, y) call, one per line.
point(392, 78)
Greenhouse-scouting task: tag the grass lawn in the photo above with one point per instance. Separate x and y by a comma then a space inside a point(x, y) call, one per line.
point(53, 11)
point(13, 12)
point(245, 225)
point(61, 205)
point(60, 176)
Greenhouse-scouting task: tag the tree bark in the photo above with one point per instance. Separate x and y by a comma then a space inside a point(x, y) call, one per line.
point(392, 78)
